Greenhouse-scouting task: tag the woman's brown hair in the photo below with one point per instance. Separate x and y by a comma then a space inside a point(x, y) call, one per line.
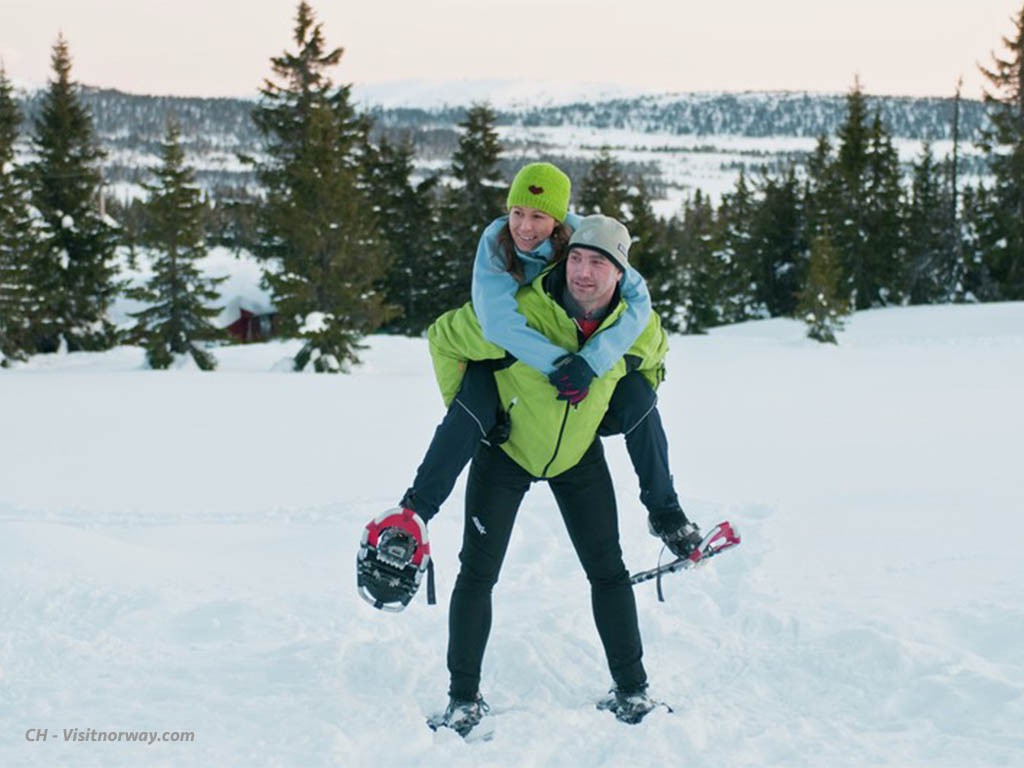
point(559, 245)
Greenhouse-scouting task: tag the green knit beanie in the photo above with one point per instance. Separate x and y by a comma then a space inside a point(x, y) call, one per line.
point(541, 186)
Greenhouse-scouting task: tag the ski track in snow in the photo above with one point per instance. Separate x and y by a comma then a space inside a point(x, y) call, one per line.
point(177, 553)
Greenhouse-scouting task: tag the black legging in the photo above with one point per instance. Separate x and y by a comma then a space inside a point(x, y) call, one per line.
point(587, 502)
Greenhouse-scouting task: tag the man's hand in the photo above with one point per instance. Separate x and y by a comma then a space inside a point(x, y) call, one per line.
point(571, 377)
point(679, 534)
point(682, 541)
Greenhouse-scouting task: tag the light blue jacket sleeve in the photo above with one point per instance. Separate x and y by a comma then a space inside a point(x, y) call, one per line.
point(494, 301)
point(606, 348)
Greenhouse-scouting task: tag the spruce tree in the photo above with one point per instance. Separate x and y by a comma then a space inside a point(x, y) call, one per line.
point(821, 189)
point(737, 254)
point(604, 188)
point(406, 213)
point(700, 267)
point(777, 232)
point(1003, 143)
point(854, 138)
point(880, 276)
point(929, 265)
point(481, 193)
point(821, 303)
point(75, 274)
point(16, 237)
point(955, 288)
point(652, 256)
point(318, 231)
point(980, 228)
point(179, 317)
point(476, 199)
point(847, 219)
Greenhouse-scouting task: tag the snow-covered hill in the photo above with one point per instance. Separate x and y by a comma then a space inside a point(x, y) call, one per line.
point(504, 95)
point(177, 555)
point(679, 142)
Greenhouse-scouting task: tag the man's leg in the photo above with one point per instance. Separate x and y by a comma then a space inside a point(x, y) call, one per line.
point(470, 418)
point(586, 499)
point(495, 489)
point(633, 412)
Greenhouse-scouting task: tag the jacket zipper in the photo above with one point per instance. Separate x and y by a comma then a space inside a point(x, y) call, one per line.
point(558, 443)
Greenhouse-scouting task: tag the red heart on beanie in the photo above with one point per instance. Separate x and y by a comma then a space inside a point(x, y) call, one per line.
point(536, 190)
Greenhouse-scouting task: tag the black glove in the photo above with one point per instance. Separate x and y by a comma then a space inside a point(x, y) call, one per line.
point(683, 541)
point(679, 534)
point(571, 377)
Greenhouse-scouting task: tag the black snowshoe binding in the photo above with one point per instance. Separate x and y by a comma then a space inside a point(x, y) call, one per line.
point(393, 556)
point(464, 717)
point(630, 706)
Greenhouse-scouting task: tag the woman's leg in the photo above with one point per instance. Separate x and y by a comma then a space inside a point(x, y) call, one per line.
point(495, 489)
point(586, 499)
point(471, 418)
point(633, 412)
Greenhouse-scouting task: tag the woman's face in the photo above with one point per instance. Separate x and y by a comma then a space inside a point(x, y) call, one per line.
point(530, 227)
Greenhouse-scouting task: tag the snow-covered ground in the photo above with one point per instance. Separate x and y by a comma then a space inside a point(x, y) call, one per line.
point(177, 555)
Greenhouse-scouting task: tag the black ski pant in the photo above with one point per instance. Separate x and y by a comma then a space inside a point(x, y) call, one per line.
point(586, 500)
point(475, 414)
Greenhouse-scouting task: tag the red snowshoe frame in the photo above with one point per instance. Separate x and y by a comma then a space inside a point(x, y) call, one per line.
point(393, 556)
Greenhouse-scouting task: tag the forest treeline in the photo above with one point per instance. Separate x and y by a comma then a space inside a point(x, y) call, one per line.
point(355, 239)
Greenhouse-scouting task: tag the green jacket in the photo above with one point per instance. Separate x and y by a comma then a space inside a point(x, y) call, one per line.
point(548, 436)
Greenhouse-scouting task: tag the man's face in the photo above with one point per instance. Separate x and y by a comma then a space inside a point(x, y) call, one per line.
point(530, 227)
point(592, 278)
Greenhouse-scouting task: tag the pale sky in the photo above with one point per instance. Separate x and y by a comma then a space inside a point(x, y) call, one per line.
point(223, 47)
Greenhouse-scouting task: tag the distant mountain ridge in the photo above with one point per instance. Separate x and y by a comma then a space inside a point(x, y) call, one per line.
point(764, 114)
point(120, 116)
point(214, 131)
point(502, 94)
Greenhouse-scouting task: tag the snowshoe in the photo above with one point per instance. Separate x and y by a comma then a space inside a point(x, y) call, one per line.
point(719, 539)
point(630, 706)
point(466, 718)
point(393, 556)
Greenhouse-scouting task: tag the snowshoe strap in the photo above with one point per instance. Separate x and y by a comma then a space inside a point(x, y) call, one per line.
point(657, 581)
